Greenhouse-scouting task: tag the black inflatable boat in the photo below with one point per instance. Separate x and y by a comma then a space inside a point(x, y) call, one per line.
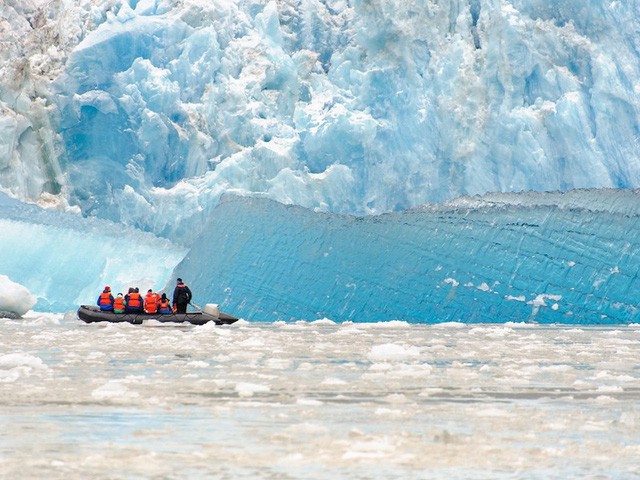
point(210, 313)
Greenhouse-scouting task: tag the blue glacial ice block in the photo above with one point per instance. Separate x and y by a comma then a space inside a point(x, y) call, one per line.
point(332, 105)
point(65, 260)
point(566, 258)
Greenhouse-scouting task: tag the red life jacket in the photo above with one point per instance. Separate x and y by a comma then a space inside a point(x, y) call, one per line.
point(164, 305)
point(105, 298)
point(151, 303)
point(135, 300)
point(118, 303)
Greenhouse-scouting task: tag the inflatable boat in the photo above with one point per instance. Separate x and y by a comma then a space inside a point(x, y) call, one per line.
point(210, 313)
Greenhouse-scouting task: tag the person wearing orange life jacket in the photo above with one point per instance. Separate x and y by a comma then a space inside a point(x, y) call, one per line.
point(151, 302)
point(134, 301)
point(164, 306)
point(119, 304)
point(105, 300)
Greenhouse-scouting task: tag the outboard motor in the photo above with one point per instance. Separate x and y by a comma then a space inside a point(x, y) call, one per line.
point(212, 309)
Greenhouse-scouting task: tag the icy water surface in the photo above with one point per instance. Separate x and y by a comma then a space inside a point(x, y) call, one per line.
point(318, 400)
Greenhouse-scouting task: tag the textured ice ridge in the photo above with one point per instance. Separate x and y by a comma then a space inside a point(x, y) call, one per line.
point(476, 260)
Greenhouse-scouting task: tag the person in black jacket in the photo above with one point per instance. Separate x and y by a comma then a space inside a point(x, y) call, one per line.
point(181, 297)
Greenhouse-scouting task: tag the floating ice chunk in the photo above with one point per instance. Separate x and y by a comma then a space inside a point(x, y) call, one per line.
point(610, 389)
point(310, 402)
point(114, 391)
point(13, 360)
point(197, 364)
point(392, 352)
point(389, 324)
point(389, 412)
point(333, 381)
point(246, 389)
point(323, 321)
point(448, 325)
point(252, 342)
point(14, 297)
point(369, 449)
point(278, 363)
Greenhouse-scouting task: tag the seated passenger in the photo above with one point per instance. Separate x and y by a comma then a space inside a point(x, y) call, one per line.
point(119, 304)
point(164, 306)
point(151, 302)
point(105, 300)
point(133, 301)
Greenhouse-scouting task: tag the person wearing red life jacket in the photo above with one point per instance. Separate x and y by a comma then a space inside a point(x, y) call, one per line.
point(105, 300)
point(151, 302)
point(119, 304)
point(164, 306)
point(134, 301)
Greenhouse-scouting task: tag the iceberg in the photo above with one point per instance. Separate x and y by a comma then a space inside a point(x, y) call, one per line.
point(15, 299)
point(64, 260)
point(546, 258)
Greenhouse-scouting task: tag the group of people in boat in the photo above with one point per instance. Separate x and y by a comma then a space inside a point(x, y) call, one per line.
point(152, 302)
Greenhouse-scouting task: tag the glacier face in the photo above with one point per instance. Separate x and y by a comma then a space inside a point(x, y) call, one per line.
point(65, 260)
point(147, 111)
point(549, 258)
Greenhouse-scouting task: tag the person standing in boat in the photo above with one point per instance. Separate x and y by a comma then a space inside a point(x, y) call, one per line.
point(134, 301)
point(105, 300)
point(181, 297)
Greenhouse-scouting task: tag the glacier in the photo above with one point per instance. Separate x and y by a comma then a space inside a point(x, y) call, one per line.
point(373, 122)
point(146, 111)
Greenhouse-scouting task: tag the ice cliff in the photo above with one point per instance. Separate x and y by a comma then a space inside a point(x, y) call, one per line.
point(145, 112)
point(548, 258)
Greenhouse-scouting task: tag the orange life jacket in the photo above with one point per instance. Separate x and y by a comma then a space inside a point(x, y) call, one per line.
point(135, 300)
point(105, 298)
point(118, 303)
point(164, 305)
point(151, 303)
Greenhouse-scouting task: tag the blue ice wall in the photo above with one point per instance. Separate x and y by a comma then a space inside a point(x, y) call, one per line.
point(66, 260)
point(546, 258)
